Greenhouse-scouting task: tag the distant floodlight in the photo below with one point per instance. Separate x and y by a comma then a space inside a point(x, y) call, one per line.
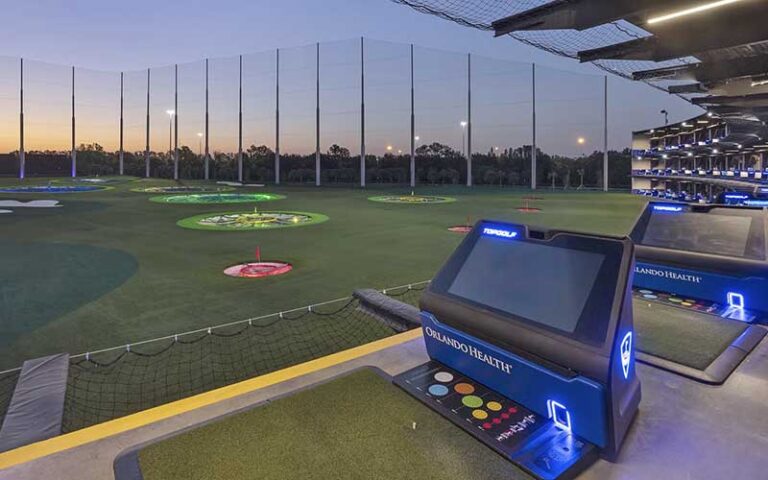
point(581, 140)
point(170, 112)
point(199, 134)
point(463, 124)
point(416, 138)
point(692, 10)
point(389, 148)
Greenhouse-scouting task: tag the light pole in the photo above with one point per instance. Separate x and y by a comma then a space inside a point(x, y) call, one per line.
point(463, 137)
point(666, 116)
point(199, 144)
point(170, 113)
point(581, 141)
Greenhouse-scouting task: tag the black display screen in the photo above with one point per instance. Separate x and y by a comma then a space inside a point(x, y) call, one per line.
point(542, 283)
point(725, 232)
point(566, 284)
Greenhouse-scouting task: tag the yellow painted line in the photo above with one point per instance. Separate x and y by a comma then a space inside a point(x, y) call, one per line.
point(130, 422)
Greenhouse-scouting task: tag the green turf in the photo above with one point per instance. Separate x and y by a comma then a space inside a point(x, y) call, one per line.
point(358, 426)
point(53, 279)
point(179, 284)
point(682, 336)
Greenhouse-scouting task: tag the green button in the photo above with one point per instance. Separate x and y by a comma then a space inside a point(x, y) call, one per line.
point(472, 401)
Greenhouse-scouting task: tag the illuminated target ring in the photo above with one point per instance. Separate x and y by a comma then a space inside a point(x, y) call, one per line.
point(54, 189)
point(460, 229)
point(211, 198)
point(258, 269)
point(245, 221)
point(182, 189)
point(412, 199)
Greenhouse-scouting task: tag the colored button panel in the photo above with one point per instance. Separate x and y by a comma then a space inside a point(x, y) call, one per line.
point(438, 390)
point(480, 414)
point(472, 401)
point(464, 388)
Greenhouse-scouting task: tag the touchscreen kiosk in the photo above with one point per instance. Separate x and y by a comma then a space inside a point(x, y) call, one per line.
point(530, 337)
point(713, 253)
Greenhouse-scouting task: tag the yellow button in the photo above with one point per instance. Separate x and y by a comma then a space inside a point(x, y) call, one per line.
point(480, 414)
point(493, 406)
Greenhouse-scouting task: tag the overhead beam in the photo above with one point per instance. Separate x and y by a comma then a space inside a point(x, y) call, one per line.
point(758, 100)
point(708, 72)
point(687, 88)
point(579, 14)
point(690, 36)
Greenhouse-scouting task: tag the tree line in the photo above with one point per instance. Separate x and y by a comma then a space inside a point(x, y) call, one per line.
point(436, 164)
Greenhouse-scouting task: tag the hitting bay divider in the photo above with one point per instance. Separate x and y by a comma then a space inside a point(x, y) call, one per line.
point(115, 382)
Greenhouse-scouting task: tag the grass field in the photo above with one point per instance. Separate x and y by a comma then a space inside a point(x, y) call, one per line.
point(111, 267)
point(358, 426)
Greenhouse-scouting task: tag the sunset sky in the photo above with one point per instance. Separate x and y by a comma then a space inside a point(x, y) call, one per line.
point(104, 38)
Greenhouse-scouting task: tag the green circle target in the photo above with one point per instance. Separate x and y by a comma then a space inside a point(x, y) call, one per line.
point(214, 198)
point(182, 189)
point(250, 221)
point(412, 199)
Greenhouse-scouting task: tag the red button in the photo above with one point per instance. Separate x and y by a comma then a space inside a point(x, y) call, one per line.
point(496, 421)
point(512, 410)
point(505, 416)
point(487, 426)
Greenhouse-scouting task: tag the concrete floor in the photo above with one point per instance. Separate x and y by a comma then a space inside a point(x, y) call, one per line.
point(685, 430)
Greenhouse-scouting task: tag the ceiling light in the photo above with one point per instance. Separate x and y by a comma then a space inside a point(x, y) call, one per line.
point(689, 11)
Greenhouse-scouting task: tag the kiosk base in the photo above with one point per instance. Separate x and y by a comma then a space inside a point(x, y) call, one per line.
point(532, 442)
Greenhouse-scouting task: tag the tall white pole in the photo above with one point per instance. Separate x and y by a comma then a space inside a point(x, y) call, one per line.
point(413, 127)
point(240, 126)
point(74, 151)
point(605, 133)
point(362, 112)
point(469, 119)
point(22, 153)
point(207, 127)
point(533, 124)
point(146, 150)
point(317, 117)
point(175, 119)
point(121, 159)
point(277, 117)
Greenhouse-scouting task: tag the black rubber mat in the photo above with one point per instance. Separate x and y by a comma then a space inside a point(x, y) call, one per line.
point(687, 342)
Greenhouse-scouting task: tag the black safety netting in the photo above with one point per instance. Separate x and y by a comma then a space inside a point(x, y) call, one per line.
point(482, 13)
point(117, 382)
point(409, 294)
point(7, 385)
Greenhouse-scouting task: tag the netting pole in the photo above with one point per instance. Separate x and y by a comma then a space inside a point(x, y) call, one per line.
point(605, 133)
point(362, 112)
point(146, 149)
point(413, 128)
point(533, 125)
point(240, 124)
point(469, 120)
point(176, 122)
point(317, 117)
point(74, 152)
point(207, 129)
point(121, 158)
point(277, 117)
point(22, 159)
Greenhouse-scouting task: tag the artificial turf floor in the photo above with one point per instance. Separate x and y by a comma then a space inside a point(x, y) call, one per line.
point(679, 335)
point(357, 426)
point(170, 279)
